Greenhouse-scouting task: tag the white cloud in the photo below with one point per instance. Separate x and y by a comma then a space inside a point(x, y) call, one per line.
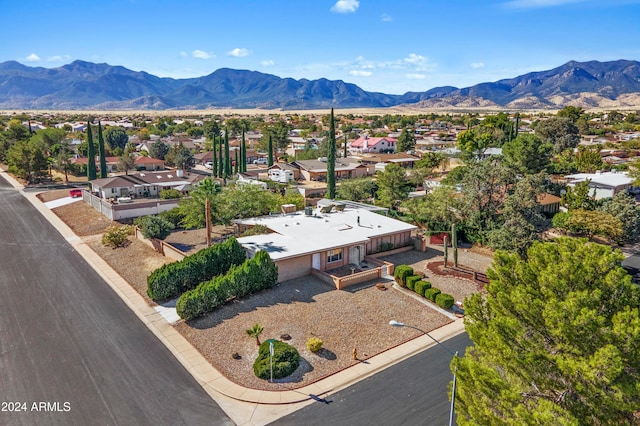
point(238, 52)
point(345, 6)
point(201, 54)
point(416, 76)
point(58, 58)
point(359, 73)
point(386, 18)
point(32, 58)
point(268, 63)
point(530, 4)
point(415, 59)
point(477, 65)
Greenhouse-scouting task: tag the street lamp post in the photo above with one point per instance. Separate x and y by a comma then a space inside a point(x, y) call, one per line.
point(395, 323)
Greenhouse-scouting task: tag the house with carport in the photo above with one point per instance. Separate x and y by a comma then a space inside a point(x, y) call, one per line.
point(332, 236)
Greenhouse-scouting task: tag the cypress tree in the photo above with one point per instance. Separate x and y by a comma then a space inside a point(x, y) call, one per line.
point(243, 154)
point(220, 159)
point(331, 160)
point(345, 146)
point(270, 156)
point(227, 157)
point(103, 158)
point(91, 153)
point(236, 167)
point(214, 165)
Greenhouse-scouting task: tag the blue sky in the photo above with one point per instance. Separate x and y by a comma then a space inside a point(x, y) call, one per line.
point(390, 46)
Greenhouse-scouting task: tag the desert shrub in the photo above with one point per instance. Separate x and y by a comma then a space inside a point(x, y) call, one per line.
point(431, 293)
point(444, 300)
point(401, 272)
point(412, 280)
point(286, 360)
point(314, 344)
point(173, 279)
point(154, 226)
point(116, 236)
point(421, 286)
point(174, 216)
point(253, 275)
point(168, 194)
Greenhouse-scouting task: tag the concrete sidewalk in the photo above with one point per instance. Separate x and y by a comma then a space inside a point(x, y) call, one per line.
point(245, 406)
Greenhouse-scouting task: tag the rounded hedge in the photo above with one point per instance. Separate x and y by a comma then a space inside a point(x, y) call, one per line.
point(286, 360)
point(444, 300)
point(432, 293)
point(421, 286)
point(314, 344)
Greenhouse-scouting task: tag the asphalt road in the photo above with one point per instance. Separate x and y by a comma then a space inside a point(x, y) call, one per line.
point(72, 347)
point(413, 392)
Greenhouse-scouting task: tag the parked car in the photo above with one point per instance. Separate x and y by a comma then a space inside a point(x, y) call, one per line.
point(208, 165)
point(261, 160)
point(75, 193)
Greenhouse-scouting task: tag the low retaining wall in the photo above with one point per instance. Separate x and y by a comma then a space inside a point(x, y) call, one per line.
point(160, 246)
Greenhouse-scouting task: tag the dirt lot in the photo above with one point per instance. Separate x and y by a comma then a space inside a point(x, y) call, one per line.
point(302, 308)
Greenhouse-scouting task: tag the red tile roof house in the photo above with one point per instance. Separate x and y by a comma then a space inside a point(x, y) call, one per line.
point(141, 163)
point(329, 239)
point(367, 144)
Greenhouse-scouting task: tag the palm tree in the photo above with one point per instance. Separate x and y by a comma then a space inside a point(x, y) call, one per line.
point(255, 332)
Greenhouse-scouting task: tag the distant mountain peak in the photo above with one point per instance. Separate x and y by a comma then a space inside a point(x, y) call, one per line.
point(87, 85)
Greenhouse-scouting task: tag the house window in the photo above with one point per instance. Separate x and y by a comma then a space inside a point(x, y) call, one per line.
point(334, 255)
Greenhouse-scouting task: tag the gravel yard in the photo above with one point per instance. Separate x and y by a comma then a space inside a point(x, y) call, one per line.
point(302, 308)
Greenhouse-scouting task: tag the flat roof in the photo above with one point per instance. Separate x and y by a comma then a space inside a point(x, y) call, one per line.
point(296, 234)
point(610, 179)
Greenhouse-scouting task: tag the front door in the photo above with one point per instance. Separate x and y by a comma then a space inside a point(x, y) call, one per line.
point(315, 261)
point(356, 255)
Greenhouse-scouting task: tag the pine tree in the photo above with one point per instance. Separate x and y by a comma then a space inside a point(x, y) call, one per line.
point(331, 160)
point(91, 153)
point(345, 146)
point(270, 157)
point(236, 166)
point(103, 158)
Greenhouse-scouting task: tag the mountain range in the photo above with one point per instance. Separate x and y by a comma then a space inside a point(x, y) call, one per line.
point(87, 85)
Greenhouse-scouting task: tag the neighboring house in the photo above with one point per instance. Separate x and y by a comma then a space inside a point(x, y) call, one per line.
point(112, 163)
point(142, 185)
point(286, 167)
point(367, 144)
point(301, 242)
point(203, 157)
point(549, 203)
point(404, 160)
point(316, 170)
point(602, 184)
point(148, 163)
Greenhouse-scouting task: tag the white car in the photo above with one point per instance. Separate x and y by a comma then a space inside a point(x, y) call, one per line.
point(261, 160)
point(208, 165)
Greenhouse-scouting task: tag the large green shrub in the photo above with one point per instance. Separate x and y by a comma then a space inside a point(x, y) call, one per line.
point(421, 286)
point(444, 300)
point(412, 280)
point(173, 279)
point(174, 216)
point(285, 361)
point(154, 226)
point(116, 236)
point(253, 275)
point(401, 272)
point(168, 194)
point(431, 293)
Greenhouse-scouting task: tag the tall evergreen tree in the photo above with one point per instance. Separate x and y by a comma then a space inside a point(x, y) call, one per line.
point(91, 154)
point(331, 159)
point(103, 158)
point(220, 159)
point(236, 166)
point(227, 157)
point(270, 156)
point(345, 146)
point(243, 154)
point(214, 162)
